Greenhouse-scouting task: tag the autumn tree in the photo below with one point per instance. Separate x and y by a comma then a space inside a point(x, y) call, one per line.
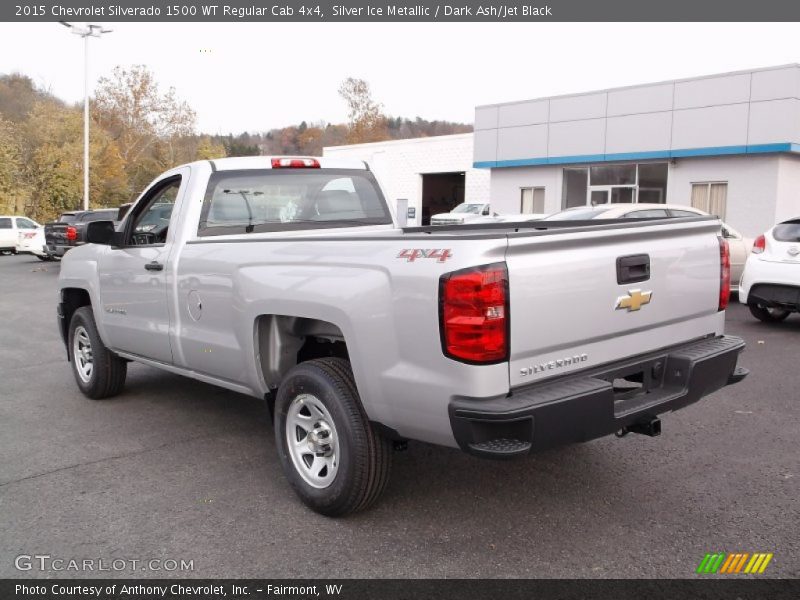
point(366, 119)
point(12, 186)
point(18, 94)
point(209, 148)
point(53, 163)
point(138, 116)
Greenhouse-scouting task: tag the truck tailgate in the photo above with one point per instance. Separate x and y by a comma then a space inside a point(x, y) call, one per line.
point(572, 307)
point(55, 234)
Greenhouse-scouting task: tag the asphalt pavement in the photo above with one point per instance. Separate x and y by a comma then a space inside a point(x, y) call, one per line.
point(177, 470)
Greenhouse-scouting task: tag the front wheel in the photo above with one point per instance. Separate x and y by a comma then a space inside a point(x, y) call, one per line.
point(768, 315)
point(98, 372)
point(331, 454)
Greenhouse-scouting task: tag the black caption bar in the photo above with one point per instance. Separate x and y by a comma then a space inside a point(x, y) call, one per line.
point(744, 588)
point(360, 10)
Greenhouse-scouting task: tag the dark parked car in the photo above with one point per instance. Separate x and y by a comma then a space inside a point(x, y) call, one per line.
point(70, 229)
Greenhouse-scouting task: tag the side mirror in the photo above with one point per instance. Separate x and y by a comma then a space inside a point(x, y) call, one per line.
point(486, 211)
point(100, 232)
point(123, 210)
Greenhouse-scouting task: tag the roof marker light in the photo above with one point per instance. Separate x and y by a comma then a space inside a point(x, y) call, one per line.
point(295, 163)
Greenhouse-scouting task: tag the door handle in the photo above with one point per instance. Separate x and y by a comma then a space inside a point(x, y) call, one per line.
point(632, 269)
point(154, 266)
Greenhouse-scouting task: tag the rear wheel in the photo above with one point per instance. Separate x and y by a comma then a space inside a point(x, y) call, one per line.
point(331, 454)
point(98, 372)
point(768, 315)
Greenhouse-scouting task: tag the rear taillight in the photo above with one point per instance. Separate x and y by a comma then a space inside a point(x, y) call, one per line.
point(724, 274)
point(295, 163)
point(72, 234)
point(759, 244)
point(473, 314)
point(28, 235)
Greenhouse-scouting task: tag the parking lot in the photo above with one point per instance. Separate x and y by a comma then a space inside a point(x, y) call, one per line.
point(174, 469)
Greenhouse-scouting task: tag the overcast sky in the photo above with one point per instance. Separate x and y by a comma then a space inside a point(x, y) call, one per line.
point(252, 77)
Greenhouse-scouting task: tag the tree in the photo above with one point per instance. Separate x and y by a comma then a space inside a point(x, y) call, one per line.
point(208, 148)
point(138, 116)
point(18, 94)
point(12, 186)
point(53, 159)
point(366, 120)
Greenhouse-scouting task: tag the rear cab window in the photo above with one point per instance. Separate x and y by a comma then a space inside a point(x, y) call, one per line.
point(67, 218)
point(788, 231)
point(268, 200)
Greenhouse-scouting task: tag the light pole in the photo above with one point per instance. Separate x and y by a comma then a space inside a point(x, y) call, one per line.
point(86, 31)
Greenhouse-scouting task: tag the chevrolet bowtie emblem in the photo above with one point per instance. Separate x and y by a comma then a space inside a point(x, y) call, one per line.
point(634, 300)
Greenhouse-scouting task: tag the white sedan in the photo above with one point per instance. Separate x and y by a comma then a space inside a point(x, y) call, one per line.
point(771, 281)
point(738, 244)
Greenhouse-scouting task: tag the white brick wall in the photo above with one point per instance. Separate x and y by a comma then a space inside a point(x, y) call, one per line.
point(399, 165)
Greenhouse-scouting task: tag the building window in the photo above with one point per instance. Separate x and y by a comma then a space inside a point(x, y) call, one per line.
point(618, 183)
point(652, 182)
point(574, 188)
point(613, 175)
point(532, 200)
point(711, 197)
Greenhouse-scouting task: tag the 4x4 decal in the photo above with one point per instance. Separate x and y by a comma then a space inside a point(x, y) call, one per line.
point(412, 254)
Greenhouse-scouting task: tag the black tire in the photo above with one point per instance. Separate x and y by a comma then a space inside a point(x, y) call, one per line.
point(768, 315)
point(107, 376)
point(43, 258)
point(363, 456)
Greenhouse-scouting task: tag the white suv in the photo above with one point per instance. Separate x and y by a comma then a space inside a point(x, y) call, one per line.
point(771, 280)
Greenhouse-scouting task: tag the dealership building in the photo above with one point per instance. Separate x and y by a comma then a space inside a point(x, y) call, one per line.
point(728, 144)
point(434, 174)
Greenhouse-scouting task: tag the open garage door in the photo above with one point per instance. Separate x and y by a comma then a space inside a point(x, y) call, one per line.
point(441, 192)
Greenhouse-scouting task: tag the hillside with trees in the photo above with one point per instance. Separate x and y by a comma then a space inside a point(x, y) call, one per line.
point(139, 130)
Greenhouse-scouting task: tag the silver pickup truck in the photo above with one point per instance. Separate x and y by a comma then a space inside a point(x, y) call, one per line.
point(289, 279)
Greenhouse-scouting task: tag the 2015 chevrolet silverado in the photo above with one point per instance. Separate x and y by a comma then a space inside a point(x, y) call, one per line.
point(289, 279)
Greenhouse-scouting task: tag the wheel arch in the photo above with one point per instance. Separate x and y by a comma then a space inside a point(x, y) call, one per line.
point(284, 341)
point(72, 299)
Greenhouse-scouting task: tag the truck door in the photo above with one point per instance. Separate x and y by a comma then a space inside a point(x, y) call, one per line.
point(133, 276)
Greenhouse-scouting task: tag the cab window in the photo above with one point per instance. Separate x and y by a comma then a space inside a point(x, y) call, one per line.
point(150, 224)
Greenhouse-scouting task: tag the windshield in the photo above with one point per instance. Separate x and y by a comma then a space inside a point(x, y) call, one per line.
point(282, 199)
point(99, 215)
point(473, 209)
point(788, 231)
point(576, 214)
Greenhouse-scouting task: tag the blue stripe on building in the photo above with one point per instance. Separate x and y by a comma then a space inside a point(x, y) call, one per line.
point(630, 156)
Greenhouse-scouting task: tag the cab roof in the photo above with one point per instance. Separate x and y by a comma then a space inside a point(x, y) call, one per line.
point(236, 163)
